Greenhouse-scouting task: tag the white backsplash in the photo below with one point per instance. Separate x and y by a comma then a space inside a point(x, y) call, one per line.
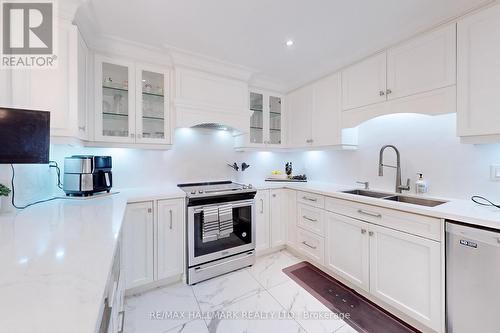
point(427, 144)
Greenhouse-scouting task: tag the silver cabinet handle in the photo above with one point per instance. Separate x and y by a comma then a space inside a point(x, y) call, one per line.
point(370, 233)
point(150, 210)
point(309, 219)
point(369, 213)
point(363, 231)
point(81, 128)
point(170, 212)
point(388, 91)
point(274, 195)
point(310, 199)
point(310, 246)
point(122, 322)
point(262, 206)
point(381, 93)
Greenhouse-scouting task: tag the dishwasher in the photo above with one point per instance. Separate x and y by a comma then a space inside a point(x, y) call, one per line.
point(472, 279)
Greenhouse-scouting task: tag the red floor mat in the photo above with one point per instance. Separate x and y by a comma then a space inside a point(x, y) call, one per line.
point(364, 316)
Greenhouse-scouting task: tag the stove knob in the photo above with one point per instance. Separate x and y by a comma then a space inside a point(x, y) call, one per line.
point(200, 191)
point(193, 192)
point(250, 186)
point(245, 187)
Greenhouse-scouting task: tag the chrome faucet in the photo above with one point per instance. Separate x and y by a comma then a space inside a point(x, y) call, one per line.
point(399, 186)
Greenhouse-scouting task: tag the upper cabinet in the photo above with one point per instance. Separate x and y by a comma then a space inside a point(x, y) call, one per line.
point(364, 83)
point(478, 86)
point(131, 103)
point(314, 114)
point(417, 76)
point(202, 98)
point(266, 118)
point(422, 64)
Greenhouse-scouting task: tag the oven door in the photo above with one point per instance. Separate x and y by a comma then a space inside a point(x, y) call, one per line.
point(206, 246)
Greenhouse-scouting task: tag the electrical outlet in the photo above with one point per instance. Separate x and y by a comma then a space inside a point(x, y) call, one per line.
point(495, 172)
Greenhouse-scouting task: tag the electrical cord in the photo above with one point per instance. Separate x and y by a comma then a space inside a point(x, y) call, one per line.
point(483, 201)
point(40, 201)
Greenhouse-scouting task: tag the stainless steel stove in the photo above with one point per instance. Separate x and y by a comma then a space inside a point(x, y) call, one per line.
point(197, 190)
point(220, 228)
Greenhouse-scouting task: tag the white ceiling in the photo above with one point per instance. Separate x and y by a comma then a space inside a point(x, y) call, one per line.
point(328, 34)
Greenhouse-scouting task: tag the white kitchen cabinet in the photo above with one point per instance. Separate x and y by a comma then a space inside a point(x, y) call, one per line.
point(364, 83)
point(290, 219)
point(114, 100)
point(421, 64)
point(152, 105)
point(299, 110)
point(347, 249)
point(311, 245)
point(405, 272)
point(266, 119)
point(169, 239)
point(83, 91)
point(262, 221)
point(138, 244)
point(478, 81)
point(278, 212)
point(315, 116)
point(311, 218)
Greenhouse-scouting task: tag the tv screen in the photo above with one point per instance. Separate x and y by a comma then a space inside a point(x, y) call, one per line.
point(24, 136)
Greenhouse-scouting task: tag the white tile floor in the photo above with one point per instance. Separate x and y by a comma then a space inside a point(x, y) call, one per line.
point(257, 299)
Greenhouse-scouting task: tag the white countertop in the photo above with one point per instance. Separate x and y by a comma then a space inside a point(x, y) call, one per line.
point(55, 260)
point(56, 257)
point(464, 211)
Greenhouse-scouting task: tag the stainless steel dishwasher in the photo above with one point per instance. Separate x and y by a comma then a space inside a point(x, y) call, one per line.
point(472, 279)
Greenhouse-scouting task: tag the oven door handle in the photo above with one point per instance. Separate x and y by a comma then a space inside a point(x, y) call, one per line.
point(235, 204)
point(201, 269)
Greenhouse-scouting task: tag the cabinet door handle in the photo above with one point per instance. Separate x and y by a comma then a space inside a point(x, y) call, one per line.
point(81, 128)
point(369, 213)
point(310, 246)
point(309, 219)
point(122, 322)
point(388, 91)
point(310, 199)
point(262, 206)
point(363, 231)
point(150, 210)
point(381, 93)
point(170, 212)
point(370, 233)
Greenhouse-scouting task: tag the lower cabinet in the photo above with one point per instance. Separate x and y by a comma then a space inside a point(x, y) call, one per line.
point(347, 249)
point(271, 211)
point(138, 244)
point(262, 221)
point(153, 241)
point(170, 239)
point(400, 269)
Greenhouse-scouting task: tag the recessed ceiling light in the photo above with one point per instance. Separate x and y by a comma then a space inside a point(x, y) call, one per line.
point(289, 43)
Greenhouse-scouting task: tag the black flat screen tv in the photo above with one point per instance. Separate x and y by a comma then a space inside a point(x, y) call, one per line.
point(24, 136)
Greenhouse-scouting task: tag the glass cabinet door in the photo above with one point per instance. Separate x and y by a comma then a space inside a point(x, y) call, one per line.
point(115, 120)
point(274, 120)
point(153, 111)
point(256, 117)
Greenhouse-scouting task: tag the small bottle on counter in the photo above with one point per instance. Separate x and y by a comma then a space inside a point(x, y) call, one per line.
point(421, 185)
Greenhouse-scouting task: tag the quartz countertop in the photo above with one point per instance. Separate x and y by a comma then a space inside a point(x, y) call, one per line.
point(56, 257)
point(55, 261)
point(464, 211)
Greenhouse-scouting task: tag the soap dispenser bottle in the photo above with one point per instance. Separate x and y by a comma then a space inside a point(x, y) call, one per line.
point(421, 185)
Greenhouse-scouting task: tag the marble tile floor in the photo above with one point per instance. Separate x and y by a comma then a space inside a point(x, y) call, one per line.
point(259, 299)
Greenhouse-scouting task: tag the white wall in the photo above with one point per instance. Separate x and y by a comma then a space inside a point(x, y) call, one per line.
point(428, 144)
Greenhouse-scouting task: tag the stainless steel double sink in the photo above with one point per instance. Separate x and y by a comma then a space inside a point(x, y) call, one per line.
point(397, 197)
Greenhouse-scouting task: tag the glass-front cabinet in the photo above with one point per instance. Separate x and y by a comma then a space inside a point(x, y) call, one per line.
point(265, 118)
point(131, 103)
point(152, 121)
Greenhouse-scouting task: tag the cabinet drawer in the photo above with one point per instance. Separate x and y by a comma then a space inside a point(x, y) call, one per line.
point(424, 226)
point(311, 199)
point(311, 218)
point(311, 245)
